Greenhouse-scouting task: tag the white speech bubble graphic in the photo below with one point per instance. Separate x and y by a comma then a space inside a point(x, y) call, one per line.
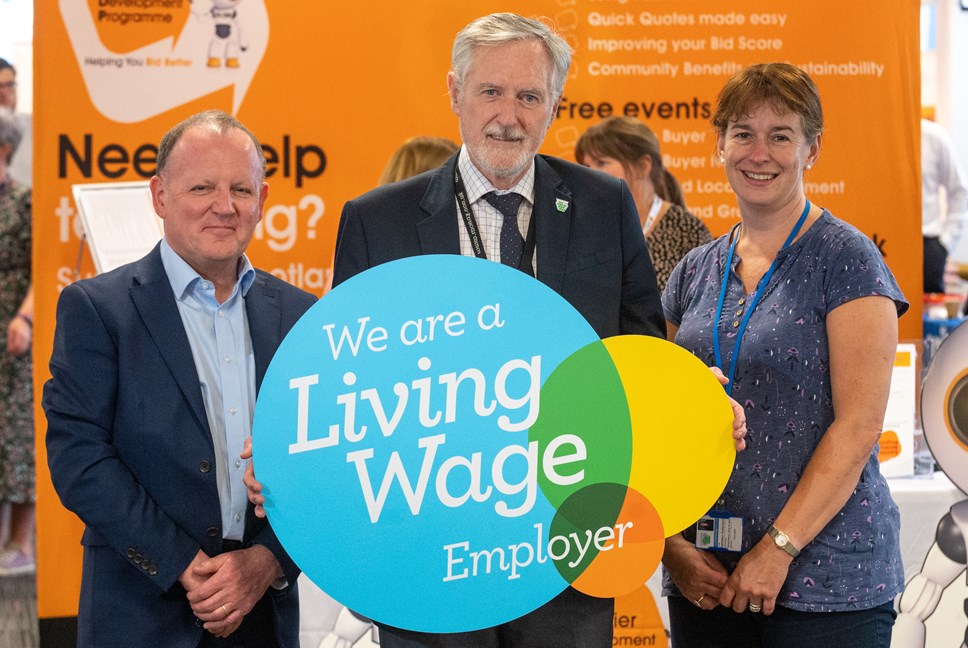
point(136, 85)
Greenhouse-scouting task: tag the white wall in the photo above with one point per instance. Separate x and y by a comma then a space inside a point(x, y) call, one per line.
point(950, 77)
point(16, 45)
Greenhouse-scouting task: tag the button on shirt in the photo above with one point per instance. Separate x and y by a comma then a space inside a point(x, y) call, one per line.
point(222, 349)
point(489, 219)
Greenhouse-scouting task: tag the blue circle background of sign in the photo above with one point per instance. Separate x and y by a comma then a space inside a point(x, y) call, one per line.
point(406, 570)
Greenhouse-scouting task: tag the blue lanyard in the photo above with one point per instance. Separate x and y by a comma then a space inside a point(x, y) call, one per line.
point(751, 304)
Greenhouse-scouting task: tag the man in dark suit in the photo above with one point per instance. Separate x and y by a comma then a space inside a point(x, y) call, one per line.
point(576, 230)
point(155, 368)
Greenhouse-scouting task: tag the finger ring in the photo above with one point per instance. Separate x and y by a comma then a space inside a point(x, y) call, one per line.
point(228, 613)
point(755, 608)
point(699, 600)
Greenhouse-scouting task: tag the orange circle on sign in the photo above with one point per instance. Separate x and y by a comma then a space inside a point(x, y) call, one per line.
point(628, 554)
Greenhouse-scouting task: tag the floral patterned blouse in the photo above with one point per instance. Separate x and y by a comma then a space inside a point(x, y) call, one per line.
point(677, 232)
point(17, 478)
point(783, 382)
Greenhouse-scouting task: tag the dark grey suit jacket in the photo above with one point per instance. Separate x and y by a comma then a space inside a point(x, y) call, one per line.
point(130, 452)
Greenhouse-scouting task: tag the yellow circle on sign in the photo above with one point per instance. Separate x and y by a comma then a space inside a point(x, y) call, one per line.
point(682, 443)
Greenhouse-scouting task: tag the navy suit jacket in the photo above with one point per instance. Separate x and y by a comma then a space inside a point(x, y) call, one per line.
point(130, 451)
point(593, 254)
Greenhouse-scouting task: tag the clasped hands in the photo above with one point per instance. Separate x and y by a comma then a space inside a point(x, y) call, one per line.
point(753, 585)
point(224, 588)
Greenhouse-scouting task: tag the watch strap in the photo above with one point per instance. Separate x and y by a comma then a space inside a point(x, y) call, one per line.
point(782, 540)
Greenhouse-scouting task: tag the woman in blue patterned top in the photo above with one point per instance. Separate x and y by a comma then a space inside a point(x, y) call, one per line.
point(800, 311)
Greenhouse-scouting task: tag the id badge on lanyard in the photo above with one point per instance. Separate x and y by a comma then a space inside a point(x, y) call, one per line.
point(719, 531)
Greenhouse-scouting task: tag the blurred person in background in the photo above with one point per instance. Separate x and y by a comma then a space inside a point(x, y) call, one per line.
point(941, 231)
point(16, 366)
point(416, 155)
point(21, 166)
point(626, 148)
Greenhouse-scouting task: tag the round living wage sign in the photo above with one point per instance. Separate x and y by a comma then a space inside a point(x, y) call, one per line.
point(443, 431)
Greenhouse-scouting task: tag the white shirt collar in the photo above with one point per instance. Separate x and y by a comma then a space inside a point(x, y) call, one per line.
point(476, 184)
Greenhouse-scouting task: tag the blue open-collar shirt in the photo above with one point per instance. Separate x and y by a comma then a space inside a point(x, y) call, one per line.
point(225, 362)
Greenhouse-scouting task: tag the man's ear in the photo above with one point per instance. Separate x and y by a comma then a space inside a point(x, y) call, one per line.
point(263, 195)
point(554, 110)
point(156, 185)
point(453, 89)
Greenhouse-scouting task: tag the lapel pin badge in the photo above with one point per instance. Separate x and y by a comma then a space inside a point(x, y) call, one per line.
point(561, 205)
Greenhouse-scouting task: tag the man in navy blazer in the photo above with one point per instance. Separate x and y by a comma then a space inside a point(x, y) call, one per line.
point(506, 83)
point(155, 367)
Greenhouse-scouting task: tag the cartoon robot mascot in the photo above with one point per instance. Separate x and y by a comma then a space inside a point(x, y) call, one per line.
point(944, 418)
point(228, 40)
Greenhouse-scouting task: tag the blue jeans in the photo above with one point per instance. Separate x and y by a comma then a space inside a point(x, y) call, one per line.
point(692, 627)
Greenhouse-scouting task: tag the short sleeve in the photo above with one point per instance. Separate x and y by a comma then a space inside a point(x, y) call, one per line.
point(859, 270)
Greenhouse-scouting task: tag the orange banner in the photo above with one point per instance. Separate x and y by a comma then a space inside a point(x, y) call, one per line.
point(332, 89)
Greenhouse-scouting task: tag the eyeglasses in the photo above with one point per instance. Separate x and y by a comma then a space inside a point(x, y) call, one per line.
point(9, 85)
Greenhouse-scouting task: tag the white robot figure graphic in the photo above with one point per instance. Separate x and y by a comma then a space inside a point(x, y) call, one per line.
point(324, 623)
point(348, 629)
point(227, 40)
point(944, 417)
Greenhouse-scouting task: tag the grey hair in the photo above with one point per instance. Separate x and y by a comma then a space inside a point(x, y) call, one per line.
point(10, 132)
point(500, 28)
point(218, 120)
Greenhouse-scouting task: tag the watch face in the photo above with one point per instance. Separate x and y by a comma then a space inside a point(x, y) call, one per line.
point(782, 539)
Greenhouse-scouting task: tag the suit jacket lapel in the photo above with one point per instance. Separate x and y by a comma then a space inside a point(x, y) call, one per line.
point(264, 314)
point(552, 223)
point(438, 232)
point(152, 296)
